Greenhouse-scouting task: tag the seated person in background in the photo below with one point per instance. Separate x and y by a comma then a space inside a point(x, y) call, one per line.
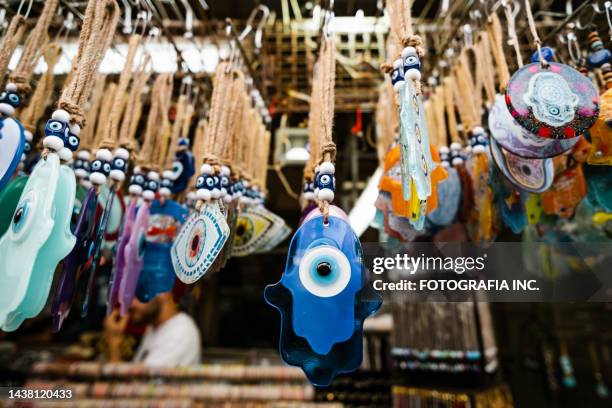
point(171, 337)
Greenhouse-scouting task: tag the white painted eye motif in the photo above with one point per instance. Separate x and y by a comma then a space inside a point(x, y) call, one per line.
point(324, 271)
point(55, 125)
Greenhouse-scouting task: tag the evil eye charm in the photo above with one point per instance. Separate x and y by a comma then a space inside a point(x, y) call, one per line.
point(165, 187)
point(411, 64)
point(9, 100)
point(205, 185)
point(397, 75)
point(183, 169)
point(81, 168)
point(555, 102)
point(326, 181)
point(72, 142)
point(151, 186)
point(138, 183)
point(479, 140)
point(323, 297)
point(547, 53)
point(57, 128)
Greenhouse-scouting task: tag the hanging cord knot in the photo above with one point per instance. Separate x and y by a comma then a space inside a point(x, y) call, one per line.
point(386, 67)
point(23, 84)
point(75, 111)
point(328, 152)
point(416, 42)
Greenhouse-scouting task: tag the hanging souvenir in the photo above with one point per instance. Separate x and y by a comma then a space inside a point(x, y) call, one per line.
point(549, 99)
point(567, 190)
point(323, 295)
point(46, 222)
point(12, 138)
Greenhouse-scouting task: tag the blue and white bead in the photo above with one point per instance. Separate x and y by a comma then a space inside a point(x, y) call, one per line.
point(479, 140)
point(9, 100)
point(455, 154)
point(445, 159)
point(308, 193)
point(397, 75)
point(57, 130)
point(165, 189)
point(205, 183)
point(119, 164)
point(225, 183)
point(325, 182)
point(81, 165)
point(138, 182)
point(151, 186)
point(411, 64)
point(101, 167)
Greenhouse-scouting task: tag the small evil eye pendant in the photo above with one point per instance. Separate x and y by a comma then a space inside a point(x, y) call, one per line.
point(206, 182)
point(101, 167)
point(397, 75)
point(165, 186)
point(119, 164)
point(151, 186)
point(479, 140)
point(183, 143)
point(411, 64)
point(138, 182)
point(325, 182)
point(9, 100)
point(445, 156)
point(309, 191)
point(456, 158)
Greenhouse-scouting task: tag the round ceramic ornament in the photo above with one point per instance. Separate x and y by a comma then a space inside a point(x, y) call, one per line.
point(552, 100)
point(533, 175)
point(518, 140)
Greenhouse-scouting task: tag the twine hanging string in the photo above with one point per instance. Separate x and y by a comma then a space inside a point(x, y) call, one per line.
point(41, 98)
point(198, 145)
point(512, 35)
point(172, 144)
point(160, 94)
point(449, 86)
point(438, 115)
point(133, 109)
point(111, 138)
point(36, 41)
point(534, 34)
point(494, 31)
point(485, 67)
point(240, 101)
point(9, 42)
point(102, 118)
point(314, 117)
point(99, 24)
point(387, 120)
point(94, 112)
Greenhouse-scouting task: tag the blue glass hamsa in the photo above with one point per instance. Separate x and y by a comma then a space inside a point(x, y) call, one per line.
point(323, 297)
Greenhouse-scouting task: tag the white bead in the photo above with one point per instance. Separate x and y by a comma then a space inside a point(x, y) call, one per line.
point(61, 115)
point(206, 169)
point(398, 86)
point(225, 171)
point(11, 87)
point(215, 193)
point(23, 157)
point(445, 164)
point(478, 130)
point(457, 161)
point(326, 194)
point(309, 195)
point(137, 169)
point(97, 178)
point(168, 174)
point(223, 191)
point(75, 129)
point(165, 192)
point(413, 74)
point(455, 146)
point(444, 150)
point(468, 149)
point(191, 195)
point(227, 199)
point(148, 195)
point(121, 153)
point(409, 51)
point(28, 135)
point(153, 175)
point(117, 175)
point(316, 192)
point(203, 194)
point(104, 154)
point(6, 109)
point(397, 64)
point(53, 143)
point(83, 155)
point(65, 154)
point(135, 189)
point(245, 183)
point(478, 149)
point(81, 173)
point(327, 168)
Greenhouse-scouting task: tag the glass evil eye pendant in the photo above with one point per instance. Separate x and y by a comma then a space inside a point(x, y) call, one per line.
point(12, 136)
point(532, 175)
point(323, 298)
point(552, 101)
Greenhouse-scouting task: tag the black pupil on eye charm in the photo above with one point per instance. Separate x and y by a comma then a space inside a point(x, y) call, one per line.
point(526, 170)
point(240, 230)
point(324, 269)
point(195, 242)
point(18, 215)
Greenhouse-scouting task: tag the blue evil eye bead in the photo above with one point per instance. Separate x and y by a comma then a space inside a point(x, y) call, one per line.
point(57, 130)
point(547, 52)
point(81, 164)
point(323, 298)
point(325, 182)
point(165, 186)
point(397, 75)
point(444, 152)
point(119, 164)
point(478, 140)
point(205, 183)
point(183, 143)
point(411, 64)
point(72, 142)
point(455, 154)
point(9, 100)
point(138, 182)
point(151, 186)
point(599, 55)
point(101, 167)
point(309, 191)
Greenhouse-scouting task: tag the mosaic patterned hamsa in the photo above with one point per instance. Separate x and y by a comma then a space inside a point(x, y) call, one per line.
point(533, 175)
point(323, 297)
point(518, 140)
point(554, 102)
point(199, 242)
